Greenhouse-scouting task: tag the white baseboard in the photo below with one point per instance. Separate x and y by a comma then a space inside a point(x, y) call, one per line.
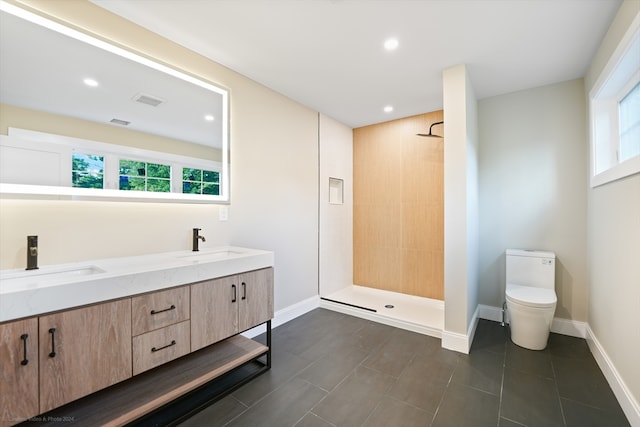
point(461, 342)
point(455, 341)
point(286, 314)
point(295, 310)
point(572, 328)
point(629, 405)
point(489, 312)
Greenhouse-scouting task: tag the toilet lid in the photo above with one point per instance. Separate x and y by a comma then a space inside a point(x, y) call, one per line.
point(530, 296)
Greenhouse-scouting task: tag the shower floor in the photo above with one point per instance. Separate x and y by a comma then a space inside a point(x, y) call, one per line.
point(417, 314)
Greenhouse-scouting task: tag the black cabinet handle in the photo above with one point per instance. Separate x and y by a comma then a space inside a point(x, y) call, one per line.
point(235, 293)
point(52, 331)
point(172, 343)
point(244, 291)
point(173, 307)
point(24, 337)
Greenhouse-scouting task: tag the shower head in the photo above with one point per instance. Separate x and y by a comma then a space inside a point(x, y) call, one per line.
point(430, 135)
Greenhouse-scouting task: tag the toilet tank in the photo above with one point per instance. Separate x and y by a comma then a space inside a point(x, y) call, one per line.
point(531, 268)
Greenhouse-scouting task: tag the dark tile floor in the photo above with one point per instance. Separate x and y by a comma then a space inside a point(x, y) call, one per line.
point(330, 369)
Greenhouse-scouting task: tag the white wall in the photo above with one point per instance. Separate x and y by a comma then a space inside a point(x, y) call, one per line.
point(533, 178)
point(460, 208)
point(472, 140)
point(613, 230)
point(274, 182)
point(336, 221)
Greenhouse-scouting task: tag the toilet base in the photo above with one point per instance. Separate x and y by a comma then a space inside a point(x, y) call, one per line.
point(530, 327)
point(538, 344)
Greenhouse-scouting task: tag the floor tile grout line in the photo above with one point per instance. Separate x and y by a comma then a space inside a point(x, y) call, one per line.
point(579, 402)
point(564, 419)
point(513, 421)
point(504, 365)
point(248, 407)
point(373, 410)
point(435, 414)
point(411, 405)
point(288, 380)
point(333, 389)
point(323, 419)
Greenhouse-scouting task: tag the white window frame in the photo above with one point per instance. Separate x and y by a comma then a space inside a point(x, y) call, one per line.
point(619, 76)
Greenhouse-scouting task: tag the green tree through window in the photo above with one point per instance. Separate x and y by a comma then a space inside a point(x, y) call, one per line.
point(142, 176)
point(200, 181)
point(87, 171)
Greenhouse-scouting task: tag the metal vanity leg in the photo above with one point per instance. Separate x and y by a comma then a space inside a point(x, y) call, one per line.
point(269, 344)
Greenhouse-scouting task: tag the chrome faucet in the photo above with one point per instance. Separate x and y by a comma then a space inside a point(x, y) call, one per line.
point(32, 252)
point(196, 238)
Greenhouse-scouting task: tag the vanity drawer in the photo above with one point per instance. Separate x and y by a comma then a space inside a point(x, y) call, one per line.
point(159, 309)
point(161, 346)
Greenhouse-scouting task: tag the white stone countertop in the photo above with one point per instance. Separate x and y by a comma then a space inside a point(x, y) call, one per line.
point(57, 287)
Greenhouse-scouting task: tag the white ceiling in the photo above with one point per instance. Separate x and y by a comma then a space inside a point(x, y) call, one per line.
point(45, 70)
point(329, 55)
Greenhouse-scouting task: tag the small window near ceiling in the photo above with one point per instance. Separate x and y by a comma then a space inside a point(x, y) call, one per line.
point(87, 170)
point(630, 124)
point(143, 176)
point(200, 181)
point(614, 104)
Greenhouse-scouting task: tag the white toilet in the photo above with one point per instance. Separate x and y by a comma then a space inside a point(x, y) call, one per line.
point(531, 297)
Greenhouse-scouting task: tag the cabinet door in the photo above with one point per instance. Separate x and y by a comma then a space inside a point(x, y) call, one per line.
point(256, 298)
point(18, 371)
point(214, 311)
point(83, 350)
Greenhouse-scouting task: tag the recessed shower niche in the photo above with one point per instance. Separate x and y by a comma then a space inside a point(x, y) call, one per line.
point(336, 191)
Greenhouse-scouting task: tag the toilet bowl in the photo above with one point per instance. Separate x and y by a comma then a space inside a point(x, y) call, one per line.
point(531, 312)
point(530, 296)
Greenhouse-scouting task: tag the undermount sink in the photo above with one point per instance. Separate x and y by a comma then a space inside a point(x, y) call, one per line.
point(210, 255)
point(34, 277)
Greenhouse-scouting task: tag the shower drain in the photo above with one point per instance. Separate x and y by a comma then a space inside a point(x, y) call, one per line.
point(388, 306)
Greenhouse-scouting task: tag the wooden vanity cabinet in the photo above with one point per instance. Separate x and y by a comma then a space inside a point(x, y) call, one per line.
point(53, 359)
point(18, 371)
point(223, 307)
point(83, 350)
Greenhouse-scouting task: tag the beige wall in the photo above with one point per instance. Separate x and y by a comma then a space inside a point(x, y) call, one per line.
point(613, 230)
point(274, 182)
point(23, 118)
point(533, 178)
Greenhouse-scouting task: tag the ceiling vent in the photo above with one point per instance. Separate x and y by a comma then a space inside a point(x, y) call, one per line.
point(120, 122)
point(148, 100)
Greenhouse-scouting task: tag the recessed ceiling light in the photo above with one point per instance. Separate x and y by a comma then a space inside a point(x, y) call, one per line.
point(90, 82)
point(209, 118)
point(388, 109)
point(391, 44)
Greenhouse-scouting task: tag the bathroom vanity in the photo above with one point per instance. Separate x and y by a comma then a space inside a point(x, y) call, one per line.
point(114, 340)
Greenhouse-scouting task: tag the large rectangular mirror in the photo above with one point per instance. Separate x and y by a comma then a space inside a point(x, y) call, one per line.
point(81, 117)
